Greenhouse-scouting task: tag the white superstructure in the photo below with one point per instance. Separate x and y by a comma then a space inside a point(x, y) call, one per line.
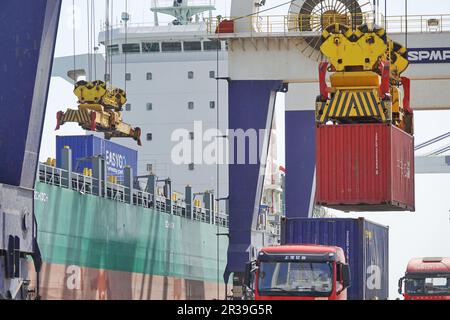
point(171, 85)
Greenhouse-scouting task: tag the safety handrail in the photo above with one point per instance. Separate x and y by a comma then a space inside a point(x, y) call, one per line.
point(118, 192)
point(417, 23)
point(302, 22)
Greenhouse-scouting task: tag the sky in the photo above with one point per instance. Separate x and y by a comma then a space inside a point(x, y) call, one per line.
point(423, 233)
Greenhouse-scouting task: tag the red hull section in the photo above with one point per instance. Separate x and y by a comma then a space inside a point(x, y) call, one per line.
point(365, 167)
point(72, 282)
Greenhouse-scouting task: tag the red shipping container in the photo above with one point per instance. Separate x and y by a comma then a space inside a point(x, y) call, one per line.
point(365, 167)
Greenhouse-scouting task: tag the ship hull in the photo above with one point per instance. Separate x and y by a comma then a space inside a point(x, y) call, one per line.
point(96, 248)
point(72, 282)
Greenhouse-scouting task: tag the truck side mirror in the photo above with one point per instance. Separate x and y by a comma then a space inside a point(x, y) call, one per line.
point(400, 285)
point(346, 282)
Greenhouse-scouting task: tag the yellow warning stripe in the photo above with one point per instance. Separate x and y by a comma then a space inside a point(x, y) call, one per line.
point(346, 106)
point(378, 105)
point(325, 111)
point(79, 116)
point(362, 96)
point(334, 105)
point(353, 104)
point(339, 107)
point(368, 98)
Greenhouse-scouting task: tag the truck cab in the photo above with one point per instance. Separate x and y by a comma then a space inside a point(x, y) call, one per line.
point(299, 272)
point(426, 279)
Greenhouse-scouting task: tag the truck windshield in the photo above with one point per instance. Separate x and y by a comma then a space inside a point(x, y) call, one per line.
point(295, 278)
point(429, 285)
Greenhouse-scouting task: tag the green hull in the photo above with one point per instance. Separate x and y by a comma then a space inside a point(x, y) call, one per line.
point(96, 233)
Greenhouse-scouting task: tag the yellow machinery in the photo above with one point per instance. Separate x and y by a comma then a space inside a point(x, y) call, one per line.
point(366, 82)
point(99, 109)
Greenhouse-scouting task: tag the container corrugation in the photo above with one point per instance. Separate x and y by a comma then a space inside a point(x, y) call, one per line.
point(365, 244)
point(365, 167)
point(116, 156)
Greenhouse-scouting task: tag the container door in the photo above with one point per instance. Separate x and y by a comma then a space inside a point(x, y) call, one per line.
point(353, 166)
point(402, 169)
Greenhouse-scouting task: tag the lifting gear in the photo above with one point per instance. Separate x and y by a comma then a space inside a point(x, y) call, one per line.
point(99, 109)
point(366, 83)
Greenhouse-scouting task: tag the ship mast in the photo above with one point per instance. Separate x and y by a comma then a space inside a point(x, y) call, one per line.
point(182, 10)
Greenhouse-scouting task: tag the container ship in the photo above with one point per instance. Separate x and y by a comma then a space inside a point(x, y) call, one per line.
point(123, 237)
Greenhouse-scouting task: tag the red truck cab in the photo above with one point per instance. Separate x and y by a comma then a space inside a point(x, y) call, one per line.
point(426, 279)
point(300, 272)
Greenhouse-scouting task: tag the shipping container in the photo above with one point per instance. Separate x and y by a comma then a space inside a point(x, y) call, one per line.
point(365, 244)
point(116, 156)
point(365, 167)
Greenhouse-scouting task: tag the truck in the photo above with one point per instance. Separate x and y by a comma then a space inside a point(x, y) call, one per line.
point(426, 279)
point(300, 272)
point(323, 259)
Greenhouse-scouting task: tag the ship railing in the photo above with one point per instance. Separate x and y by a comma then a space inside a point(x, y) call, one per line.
point(88, 185)
point(161, 204)
point(309, 25)
point(285, 24)
point(53, 176)
point(143, 199)
point(416, 23)
point(202, 24)
point(178, 209)
point(222, 220)
point(116, 192)
point(191, 3)
point(200, 214)
point(82, 184)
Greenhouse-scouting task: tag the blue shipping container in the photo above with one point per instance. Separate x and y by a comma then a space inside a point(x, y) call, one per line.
point(365, 244)
point(116, 156)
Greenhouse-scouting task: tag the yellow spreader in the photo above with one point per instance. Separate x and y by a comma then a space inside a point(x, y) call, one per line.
point(99, 110)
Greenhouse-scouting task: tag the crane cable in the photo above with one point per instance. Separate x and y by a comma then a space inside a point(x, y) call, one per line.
point(88, 15)
point(218, 45)
point(107, 45)
point(126, 42)
point(432, 141)
point(109, 13)
point(111, 37)
point(74, 44)
point(265, 10)
point(94, 38)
